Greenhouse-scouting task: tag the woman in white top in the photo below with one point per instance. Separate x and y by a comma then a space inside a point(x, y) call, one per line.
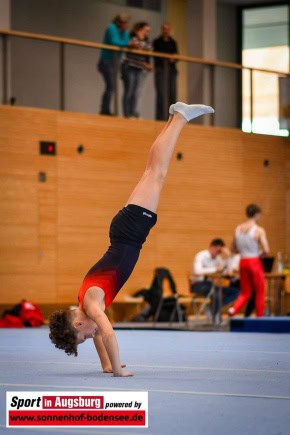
point(250, 241)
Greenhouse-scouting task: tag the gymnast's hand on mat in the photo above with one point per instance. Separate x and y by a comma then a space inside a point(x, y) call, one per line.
point(110, 370)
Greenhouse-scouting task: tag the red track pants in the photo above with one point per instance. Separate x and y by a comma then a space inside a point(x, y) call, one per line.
point(252, 279)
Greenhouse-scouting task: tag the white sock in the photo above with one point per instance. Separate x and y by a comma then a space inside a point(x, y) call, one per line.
point(190, 111)
point(171, 108)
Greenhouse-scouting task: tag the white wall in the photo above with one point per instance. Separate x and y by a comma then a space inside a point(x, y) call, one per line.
point(4, 14)
point(4, 24)
point(227, 81)
point(35, 64)
point(212, 34)
point(201, 43)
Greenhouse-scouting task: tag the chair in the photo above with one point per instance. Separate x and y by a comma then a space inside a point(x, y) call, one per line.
point(161, 305)
point(199, 302)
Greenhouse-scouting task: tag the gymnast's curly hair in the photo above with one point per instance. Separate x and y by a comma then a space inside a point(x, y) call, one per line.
point(62, 333)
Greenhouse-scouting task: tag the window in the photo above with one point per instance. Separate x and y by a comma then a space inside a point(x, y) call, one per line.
point(265, 44)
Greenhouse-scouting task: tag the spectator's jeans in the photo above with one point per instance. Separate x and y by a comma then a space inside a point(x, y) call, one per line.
point(106, 68)
point(229, 294)
point(161, 104)
point(133, 79)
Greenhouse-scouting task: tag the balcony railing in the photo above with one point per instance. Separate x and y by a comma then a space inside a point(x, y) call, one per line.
point(210, 65)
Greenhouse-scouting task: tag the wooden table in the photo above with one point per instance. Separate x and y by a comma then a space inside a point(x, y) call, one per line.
point(276, 286)
point(218, 283)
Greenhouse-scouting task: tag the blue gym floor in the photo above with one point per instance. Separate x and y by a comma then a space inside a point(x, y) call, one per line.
point(199, 383)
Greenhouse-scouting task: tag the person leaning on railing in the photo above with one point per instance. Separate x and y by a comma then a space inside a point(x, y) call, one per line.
point(135, 68)
point(165, 44)
point(116, 34)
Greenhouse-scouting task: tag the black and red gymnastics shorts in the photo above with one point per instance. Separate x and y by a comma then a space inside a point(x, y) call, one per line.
point(128, 231)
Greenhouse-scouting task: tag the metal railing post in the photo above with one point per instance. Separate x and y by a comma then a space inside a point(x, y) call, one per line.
point(166, 88)
point(212, 91)
point(251, 99)
point(5, 69)
point(62, 76)
point(116, 84)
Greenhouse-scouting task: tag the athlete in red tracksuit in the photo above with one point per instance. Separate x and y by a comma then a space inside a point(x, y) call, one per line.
point(248, 239)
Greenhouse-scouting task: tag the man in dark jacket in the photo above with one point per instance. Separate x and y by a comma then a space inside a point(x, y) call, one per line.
point(165, 69)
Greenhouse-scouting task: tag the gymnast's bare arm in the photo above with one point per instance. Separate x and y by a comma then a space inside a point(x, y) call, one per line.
point(105, 329)
point(262, 237)
point(103, 354)
point(234, 248)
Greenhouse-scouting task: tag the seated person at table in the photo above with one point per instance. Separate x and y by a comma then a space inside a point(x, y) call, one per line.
point(206, 263)
point(232, 267)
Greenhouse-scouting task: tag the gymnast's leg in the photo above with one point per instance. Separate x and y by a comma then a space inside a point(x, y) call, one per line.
point(147, 192)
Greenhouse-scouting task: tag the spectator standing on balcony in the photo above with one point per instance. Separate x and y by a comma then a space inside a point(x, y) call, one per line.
point(116, 34)
point(165, 44)
point(135, 68)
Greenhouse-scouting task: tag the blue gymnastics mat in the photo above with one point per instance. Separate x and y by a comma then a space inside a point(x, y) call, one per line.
point(263, 324)
point(198, 383)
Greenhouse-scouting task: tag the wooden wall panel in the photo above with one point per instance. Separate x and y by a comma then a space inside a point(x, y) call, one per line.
point(28, 208)
point(269, 184)
point(52, 233)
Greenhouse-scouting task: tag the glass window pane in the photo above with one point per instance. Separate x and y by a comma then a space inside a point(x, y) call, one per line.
point(265, 45)
point(246, 124)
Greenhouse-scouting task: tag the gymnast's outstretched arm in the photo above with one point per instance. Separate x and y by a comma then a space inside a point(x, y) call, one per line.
point(103, 354)
point(106, 345)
